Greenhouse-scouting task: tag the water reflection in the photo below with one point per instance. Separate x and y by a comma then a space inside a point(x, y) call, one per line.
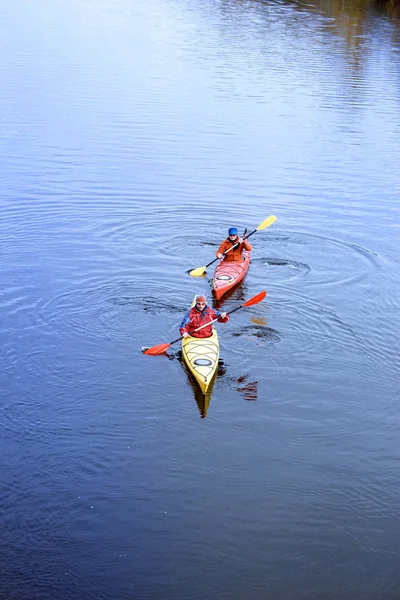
point(239, 294)
point(352, 16)
point(248, 389)
point(354, 22)
point(202, 400)
point(259, 321)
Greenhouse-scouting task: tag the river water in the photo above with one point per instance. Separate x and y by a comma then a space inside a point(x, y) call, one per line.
point(132, 135)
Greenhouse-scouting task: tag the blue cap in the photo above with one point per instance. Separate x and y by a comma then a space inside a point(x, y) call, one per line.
point(233, 231)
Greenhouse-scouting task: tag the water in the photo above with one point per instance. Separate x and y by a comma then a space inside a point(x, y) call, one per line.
point(132, 135)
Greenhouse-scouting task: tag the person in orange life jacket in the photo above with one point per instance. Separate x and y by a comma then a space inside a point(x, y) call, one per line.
point(231, 240)
point(199, 315)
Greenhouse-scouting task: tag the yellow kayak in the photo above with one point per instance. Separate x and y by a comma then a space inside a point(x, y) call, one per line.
point(201, 356)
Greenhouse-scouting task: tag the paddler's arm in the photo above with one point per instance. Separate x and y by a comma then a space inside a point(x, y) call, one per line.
point(183, 329)
point(221, 249)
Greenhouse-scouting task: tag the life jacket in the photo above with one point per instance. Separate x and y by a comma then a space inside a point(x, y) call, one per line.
point(196, 318)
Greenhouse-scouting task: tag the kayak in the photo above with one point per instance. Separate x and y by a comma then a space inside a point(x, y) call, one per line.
point(201, 357)
point(229, 273)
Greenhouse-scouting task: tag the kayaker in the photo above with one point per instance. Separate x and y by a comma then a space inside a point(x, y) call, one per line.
point(198, 316)
point(229, 242)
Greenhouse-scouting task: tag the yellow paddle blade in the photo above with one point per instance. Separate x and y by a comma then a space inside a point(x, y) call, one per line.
point(198, 272)
point(267, 222)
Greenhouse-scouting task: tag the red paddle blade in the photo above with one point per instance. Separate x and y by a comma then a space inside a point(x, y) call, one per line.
point(155, 350)
point(255, 299)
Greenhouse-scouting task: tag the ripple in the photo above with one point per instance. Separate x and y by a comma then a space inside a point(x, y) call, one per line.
point(105, 310)
point(17, 299)
point(328, 254)
point(314, 323)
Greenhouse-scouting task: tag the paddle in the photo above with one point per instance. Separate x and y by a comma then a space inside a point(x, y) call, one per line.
point(161, 348)
point(266, 223)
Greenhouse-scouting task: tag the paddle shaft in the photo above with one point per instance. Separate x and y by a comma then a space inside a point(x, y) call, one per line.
point(232, 248)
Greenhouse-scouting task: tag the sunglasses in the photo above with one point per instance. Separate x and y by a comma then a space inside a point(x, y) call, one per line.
point(201, 303)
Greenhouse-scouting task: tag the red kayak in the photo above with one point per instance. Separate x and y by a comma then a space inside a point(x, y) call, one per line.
point(228, 273)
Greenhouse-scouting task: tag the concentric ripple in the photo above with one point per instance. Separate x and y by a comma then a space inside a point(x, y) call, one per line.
point(105, 310)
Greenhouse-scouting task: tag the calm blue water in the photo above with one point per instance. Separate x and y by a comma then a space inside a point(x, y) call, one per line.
point(132, 135)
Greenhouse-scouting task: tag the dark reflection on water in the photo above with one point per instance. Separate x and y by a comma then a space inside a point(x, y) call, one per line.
point(352, 17)
point(353, 20)
point(233, 297)
point(282, 262)
point(259, 331)
point(246, 387)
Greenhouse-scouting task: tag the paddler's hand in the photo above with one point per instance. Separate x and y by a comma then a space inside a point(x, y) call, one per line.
point(223, 315)
point(240, 241)
point(220, 255)
point(185, 334)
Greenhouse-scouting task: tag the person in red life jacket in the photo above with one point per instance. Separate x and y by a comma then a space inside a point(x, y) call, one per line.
point(232, 240)
point(199, 315)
